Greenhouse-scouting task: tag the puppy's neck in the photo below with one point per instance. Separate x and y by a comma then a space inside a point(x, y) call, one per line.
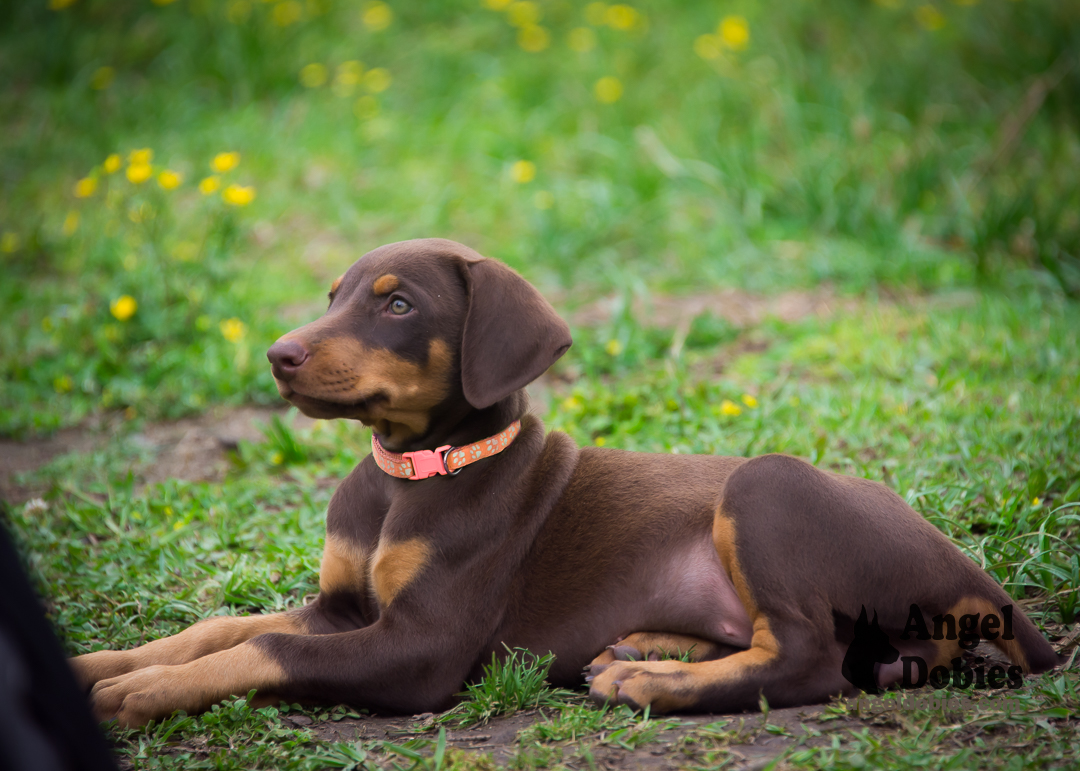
point(460, 426)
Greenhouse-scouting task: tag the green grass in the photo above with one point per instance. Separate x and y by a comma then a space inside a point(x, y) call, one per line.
point(882, 155)
point(510, 683)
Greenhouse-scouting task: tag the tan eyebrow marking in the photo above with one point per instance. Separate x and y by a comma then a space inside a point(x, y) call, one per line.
point(336, 284)
point(385, 284)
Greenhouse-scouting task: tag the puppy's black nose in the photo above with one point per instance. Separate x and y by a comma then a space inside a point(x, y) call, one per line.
point(286, 357)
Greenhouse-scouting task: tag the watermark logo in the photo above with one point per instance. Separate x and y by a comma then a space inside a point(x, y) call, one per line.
point(871, 646)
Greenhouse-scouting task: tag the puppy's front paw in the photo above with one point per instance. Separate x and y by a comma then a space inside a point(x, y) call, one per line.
point(137, 698)
point(91, 668)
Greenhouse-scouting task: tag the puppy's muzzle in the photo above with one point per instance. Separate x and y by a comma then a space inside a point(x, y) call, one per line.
point(286, 357)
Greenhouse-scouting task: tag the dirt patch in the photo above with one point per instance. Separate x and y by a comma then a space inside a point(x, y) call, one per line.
point(192, 449)
point(738, 308)
point(21, 457)
point(750, 740)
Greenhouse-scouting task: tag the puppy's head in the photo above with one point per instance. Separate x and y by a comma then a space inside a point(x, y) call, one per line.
point(414, 328)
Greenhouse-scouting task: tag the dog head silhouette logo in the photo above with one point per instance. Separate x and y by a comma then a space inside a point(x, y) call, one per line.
point(869, 647)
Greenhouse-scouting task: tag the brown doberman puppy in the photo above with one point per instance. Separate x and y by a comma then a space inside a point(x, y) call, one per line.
point(468, 529)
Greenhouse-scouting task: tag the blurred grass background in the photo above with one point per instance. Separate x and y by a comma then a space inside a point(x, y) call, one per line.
point(879, 146)
point(181, 180)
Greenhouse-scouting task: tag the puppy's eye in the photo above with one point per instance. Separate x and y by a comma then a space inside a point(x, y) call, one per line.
point(399, 307)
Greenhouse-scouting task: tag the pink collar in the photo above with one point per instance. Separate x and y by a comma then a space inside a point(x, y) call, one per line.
point(422, 464)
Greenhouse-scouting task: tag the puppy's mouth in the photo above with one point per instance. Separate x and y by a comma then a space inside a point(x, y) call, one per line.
point(327, 409)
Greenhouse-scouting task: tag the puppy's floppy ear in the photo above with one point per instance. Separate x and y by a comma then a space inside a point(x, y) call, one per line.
point(512, 334)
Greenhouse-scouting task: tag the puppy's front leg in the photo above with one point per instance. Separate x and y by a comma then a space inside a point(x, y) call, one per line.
point(398, 665)
point(207, 636)
point(155, 691)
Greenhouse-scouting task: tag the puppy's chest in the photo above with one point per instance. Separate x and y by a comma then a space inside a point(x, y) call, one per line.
point(380, 570)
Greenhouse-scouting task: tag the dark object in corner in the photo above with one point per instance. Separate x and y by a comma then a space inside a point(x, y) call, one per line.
point(45, 722)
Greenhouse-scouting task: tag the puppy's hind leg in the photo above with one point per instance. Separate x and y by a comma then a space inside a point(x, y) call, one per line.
point(659, 646)
point(791, 667)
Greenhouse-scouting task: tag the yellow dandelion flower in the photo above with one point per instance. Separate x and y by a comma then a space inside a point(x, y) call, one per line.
point(613, 347)
point(233, 329)
point(63, 384)
point(377, 80)
point(186, 251)
point(929, 18)
point(523, 13)
point(581, 39)
point(734, 33)
point(348, 77)
point(71, 223)
point(496, 5)
point(377, 16)
point(533, 39)
point(287, 13)
point(238, 195)
point(350, 71)
point(728, 407)
point(102, 78)
point(313, 75)
point(749, 401)
point(209, 185)
point(123, 307)
point(59, 5)
point(600, 441)
point(138, 173)
point(224, 162)
point(571, 403)
point(621, 17)
point(237, 11)
point(169, 180)
point(10, 242)
point(1036, 502)
point(608, 89)
point(543, 200)
point(523, 171)
point(141, 157)
point(112, 164)
point(708, 46)
point(366, 107)
point(596, 14)
point(277, 458)
point(85, 187)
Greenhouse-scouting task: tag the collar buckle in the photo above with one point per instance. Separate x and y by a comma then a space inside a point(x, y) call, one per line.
point(428, 463)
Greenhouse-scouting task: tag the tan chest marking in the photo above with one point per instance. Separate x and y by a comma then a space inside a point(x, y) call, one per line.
point(395, 565)
point(344, 566)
